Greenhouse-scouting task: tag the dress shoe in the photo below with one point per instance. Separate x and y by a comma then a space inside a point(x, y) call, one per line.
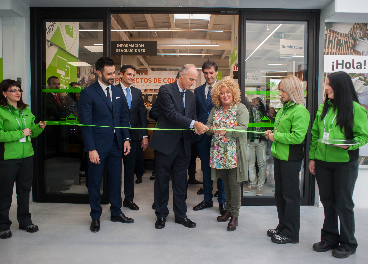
point(186, 222)
point(202, 205)
point(233, 223)
point(271, 232)
point(154, 206)
point(5, 234)
point(341, 252)
point(200, 191)
point(95, 225)
point(139, 180)
point(130, 205)
point(321, 247)
point(224, 217)
point(160, 222)
point(121, 218)
point(30, 228)
point(222, 209)
point(194, 181)
point(216, 194)
point(280, 239)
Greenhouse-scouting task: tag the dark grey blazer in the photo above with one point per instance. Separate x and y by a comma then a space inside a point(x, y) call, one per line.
point(170, 116)
point(137, 114)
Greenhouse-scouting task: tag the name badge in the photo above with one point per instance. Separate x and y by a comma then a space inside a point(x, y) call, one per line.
point(23, 139)
point(326, 136)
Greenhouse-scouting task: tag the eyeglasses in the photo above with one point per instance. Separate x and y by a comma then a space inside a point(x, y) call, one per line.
point(15, 91)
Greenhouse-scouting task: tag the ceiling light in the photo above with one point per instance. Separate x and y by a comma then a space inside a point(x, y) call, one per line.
point(275, 76)
point(183, 54)
point(192, 16)
point(98, 44)
point(154, 30)
point(189, 45)
point(79, 63)
point(264, 41)
point(276, 64)
point(94, 48)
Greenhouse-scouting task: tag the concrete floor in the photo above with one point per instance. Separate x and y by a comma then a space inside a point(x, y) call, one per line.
point(64, 236)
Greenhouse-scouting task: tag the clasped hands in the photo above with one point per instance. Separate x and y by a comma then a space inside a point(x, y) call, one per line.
point(270, 135)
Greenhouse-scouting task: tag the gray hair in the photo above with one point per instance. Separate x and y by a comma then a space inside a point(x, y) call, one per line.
point(185, 69)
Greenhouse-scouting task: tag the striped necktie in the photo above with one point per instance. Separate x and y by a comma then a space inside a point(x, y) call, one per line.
point(209, 97)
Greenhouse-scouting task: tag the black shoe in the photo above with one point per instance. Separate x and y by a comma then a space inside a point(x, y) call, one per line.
point(5, 234)
point(200, 191)
point(321, 247)
point(186, 222)
point(30, 228)
point(95, 225)
point(121, 218)
point(194, 181)
point(130, 205)
point(271, 232)
point(216, 194)
point(154, 206)
point(280, 239)
point(139, 180)
point(341, 252)
point(160, 222)
point(202, 205)
point(222, 209)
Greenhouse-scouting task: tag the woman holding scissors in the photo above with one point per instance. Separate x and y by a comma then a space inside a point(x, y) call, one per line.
point(291, 126)
point(340, 128)
point(17, 127)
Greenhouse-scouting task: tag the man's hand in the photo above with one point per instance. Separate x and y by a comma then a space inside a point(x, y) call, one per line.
point(144, 144)
point(200, 128)
point(126, 148)
point(94, 157)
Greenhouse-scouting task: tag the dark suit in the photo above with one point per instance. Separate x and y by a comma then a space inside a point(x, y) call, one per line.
point(96, 109)
point(204, 145)
point(137, 117)
point(172, 148)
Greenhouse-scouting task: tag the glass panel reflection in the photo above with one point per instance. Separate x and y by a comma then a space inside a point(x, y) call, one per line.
point(70, 57)
point(274, 50)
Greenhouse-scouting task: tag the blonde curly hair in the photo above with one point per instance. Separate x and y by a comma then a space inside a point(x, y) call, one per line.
point(229, 83)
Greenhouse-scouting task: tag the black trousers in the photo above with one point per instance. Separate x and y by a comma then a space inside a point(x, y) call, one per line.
point(19, 171)
point(139, 160)
point(129, 165)
point(336, 182)
point(176, 164)
point(287, 195)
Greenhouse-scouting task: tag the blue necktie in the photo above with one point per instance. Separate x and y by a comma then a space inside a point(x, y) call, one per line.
point(108, 95)
point(209, 97)
point(182, 101)
point(129, 99)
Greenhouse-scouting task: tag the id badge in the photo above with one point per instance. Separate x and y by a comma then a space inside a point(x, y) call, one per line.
point(326, 135)
point(23, 139)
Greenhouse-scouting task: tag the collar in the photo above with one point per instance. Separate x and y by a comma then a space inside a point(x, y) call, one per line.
point(124, 87)
point(208, 86)
point(330, 103)
point(103, 86)
point(180, 90)
point(11, 106)
point(288, 104)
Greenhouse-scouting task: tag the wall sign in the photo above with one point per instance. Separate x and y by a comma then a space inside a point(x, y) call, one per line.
point(134, 48)
point(291, 47)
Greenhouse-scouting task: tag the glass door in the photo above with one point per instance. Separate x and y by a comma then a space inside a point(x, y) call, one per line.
point(274, 50)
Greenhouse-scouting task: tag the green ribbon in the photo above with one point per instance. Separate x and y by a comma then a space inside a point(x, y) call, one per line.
point(63, 123)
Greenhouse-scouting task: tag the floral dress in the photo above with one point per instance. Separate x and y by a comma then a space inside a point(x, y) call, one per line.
point(223, 148)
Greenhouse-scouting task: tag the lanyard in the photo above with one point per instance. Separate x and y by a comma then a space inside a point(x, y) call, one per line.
point(277, 122)
point(25, 123)
point(324, 124)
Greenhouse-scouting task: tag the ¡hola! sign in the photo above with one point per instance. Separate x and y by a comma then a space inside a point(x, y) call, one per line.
point(346, 63)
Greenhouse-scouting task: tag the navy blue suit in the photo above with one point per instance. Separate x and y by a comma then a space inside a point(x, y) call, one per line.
point(95, 109)
point(204, 145)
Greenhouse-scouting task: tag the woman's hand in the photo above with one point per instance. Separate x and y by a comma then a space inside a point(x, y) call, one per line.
point(342, 146)
point(222, 132)
point(42, 124)
point(312, 167)
point(27, 132)
point(267, 133)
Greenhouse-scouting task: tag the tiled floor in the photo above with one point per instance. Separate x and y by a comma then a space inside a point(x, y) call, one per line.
point(64, 236)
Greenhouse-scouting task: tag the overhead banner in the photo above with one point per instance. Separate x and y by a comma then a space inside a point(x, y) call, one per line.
point(134, 48)
point(291, 47)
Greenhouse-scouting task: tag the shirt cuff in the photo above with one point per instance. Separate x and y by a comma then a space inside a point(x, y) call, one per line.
point(192, 124)
point(145, 136)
